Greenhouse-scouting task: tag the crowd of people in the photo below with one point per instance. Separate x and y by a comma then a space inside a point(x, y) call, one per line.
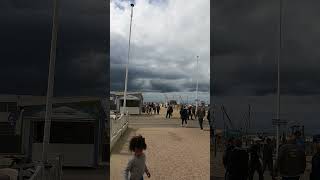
point(241, 163)
point(152, 108)
point(188, 112)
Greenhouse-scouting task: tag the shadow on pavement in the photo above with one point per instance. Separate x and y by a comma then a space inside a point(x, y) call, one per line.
point(124, 141)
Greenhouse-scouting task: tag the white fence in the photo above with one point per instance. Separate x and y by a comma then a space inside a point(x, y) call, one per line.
point(118, 127)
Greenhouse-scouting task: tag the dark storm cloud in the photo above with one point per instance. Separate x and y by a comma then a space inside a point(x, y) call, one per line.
point(246, 41)
point(151, 80)
point(155, 79)
point(82, 51)
point(245, 47)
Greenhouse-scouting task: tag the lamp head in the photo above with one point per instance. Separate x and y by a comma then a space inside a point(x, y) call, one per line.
point(132, 5)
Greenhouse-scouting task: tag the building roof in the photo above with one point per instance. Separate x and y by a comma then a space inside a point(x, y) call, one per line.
point(28, 100)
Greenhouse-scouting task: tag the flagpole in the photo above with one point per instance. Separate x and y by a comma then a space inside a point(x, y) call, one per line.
point(47, 123)
point(127, 66)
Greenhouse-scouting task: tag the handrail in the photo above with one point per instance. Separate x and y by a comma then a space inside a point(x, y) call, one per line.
point(118, 126)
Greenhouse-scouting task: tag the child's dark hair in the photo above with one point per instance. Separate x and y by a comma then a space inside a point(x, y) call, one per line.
point(137, 142)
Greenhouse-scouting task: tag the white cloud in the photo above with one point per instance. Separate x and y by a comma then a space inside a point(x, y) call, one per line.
point(167, 36)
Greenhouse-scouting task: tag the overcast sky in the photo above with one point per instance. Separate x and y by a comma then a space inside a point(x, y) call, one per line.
point(82, 47)
point(245, 42)
point(167, 35)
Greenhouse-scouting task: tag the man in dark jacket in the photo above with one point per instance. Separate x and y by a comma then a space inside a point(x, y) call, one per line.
point(255, 164)
point(184, 115)
point(315, 171)
point(201, 113)
point(229, 147)
point(158, 109)
point(169, 111)
point(237, 163)
point(209, 119)
point(268, 157)
point(291, 162)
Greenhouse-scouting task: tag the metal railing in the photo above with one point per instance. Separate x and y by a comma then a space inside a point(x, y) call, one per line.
point(50, 171)
point(38, 174)
point(118, 127)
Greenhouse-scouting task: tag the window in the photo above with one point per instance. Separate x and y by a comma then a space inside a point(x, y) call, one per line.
point(3, 107)
point(132, 103)
point(8, 106)
point(12, 107)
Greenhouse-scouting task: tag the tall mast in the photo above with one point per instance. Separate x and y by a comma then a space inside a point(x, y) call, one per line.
point(278, 89)
point(47, 123)
point(127, 66)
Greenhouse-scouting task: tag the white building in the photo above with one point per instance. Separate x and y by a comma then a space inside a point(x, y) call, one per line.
point(134, 102)
point(78, 128)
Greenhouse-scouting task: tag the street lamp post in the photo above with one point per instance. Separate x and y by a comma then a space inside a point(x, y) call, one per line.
point(197, 84)
point(127, 66)
point(47, 123)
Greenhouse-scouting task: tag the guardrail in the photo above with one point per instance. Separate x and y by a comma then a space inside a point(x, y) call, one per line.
point(51, 171)
point(118, 127)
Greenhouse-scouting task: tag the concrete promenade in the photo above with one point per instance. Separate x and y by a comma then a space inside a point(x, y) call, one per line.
point(173, 152)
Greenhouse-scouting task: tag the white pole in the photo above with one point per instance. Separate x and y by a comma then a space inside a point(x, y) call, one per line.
point(127, 66)
point(47, 124)
point(197, 84)
point(278, 90)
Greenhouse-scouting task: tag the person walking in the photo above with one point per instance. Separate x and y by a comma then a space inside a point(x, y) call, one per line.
point(209, 120)
point(236, 163)
point(190, 112)
point(255, 163)
point(158, 109)
point(315, 170)
point(193, 109)
point(200, 115)
point(183, 115)
point(291, 162)
point(268, 158)
point(228, 148)
point(154, 109)
point(168, 112)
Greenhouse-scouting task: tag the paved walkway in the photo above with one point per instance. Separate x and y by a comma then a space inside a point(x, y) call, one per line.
point(173, 152)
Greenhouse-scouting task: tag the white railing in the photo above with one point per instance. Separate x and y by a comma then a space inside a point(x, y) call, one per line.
point(38, 174)
point(118, 127)
point(52, 171)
